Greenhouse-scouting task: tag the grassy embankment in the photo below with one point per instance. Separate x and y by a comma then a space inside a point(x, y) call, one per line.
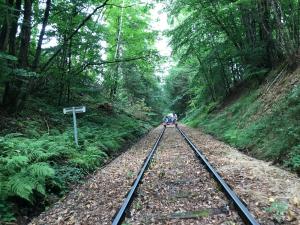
point(263, 122)
point(38, 160)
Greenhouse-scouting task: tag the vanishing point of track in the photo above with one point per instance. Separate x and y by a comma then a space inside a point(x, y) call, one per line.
point(239, 205)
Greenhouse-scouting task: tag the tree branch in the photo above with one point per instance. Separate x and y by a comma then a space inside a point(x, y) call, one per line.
point(73, 33)
point(103, 62)
point(122, 7)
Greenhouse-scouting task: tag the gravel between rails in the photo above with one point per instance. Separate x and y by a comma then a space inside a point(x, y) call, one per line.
point(96, 201)
point(178, 190)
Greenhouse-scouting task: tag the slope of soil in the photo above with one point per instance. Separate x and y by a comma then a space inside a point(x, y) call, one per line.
point(263, 122)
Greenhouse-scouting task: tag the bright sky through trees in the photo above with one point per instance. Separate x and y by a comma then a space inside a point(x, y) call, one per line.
point(160, 24)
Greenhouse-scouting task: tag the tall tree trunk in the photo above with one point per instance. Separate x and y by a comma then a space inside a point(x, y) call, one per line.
point(224, 75)
point(116, 74)
point(4, 34)
point(63, 72)
point(206, 78)
point(14, 28)
point(25, 34)
point(69, 72)
point(297, 24)
point(265, 32)
point(41, 37)
point(249, 23)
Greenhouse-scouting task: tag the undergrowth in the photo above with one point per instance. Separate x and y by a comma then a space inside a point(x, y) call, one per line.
point(273, 134)
point(39, 159)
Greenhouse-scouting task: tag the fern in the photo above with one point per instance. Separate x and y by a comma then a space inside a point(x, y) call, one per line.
point(25, 170)
point(29, 179)
point(21, 186)
point(16, 162)
point(41, 170)
point(89, 159)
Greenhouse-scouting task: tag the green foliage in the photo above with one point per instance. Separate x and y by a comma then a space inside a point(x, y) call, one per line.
point(6, 212)
point(278, 209)
point(89, 159)
point(22, 179)
point(101, 56)
point(35, 164)
point(177, 88)
point(66, 175)
point(271, 136)
point(223, 47)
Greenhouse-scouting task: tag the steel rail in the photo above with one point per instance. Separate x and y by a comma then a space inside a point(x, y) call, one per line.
point(241, 208)
point(120, 215)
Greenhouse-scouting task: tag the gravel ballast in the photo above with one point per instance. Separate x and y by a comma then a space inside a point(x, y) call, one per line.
point(178, 190)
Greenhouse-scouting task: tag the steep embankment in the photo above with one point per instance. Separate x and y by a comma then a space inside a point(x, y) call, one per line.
point(39, 161)
point(263, 122)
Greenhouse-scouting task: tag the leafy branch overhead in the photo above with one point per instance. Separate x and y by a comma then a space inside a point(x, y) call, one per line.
point(70, 43)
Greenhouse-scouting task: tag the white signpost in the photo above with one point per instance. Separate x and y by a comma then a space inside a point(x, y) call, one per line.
point(74, 110)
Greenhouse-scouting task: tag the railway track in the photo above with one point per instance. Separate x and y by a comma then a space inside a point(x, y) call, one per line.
point(165, 193)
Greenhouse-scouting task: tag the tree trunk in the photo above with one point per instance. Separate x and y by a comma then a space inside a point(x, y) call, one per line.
point(266, 33)
point(15, 94)
point(69, 72)
point(5, 30)
point(116, 75)
point(297, 26)
point(249, 23)
point(41, 37)
point(63, 66)
point(25, 34)
point(14, 28)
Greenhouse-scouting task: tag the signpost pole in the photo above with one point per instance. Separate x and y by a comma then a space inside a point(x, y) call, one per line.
point(74, 110)
point(75, 127)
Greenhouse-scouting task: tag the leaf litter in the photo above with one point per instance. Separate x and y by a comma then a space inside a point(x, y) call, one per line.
point(178, 190)
point(271, 193)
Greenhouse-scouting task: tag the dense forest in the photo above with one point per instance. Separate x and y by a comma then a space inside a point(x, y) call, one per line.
point(220, 44)
point(230, 57)
point(237, 76)
point(55, 54)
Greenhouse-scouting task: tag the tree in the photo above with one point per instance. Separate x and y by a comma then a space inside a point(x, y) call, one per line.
point(233, 41)
point(95, 44)
point(25, 34)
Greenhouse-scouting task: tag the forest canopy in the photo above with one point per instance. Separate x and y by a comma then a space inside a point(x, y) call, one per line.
point(222, 44)
point(58, 53)
point(58, 49)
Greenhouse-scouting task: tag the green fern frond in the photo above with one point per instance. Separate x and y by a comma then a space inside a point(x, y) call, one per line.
point(16, 162)
point(89, 159)
point(29, 179)
point(41, 170)
point(40, 188)
point(40, 155)
point(3, 187)
point(21, 186)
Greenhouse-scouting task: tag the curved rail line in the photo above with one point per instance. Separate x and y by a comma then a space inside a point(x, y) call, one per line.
point(241, 208)
point(120, 215)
